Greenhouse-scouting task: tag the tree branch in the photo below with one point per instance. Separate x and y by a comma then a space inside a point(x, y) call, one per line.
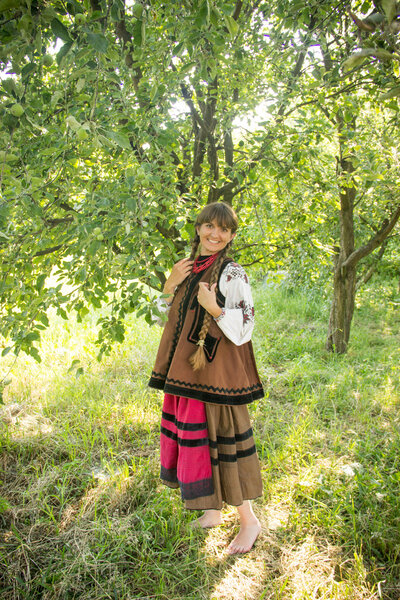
point(48, 250)
point(367, 276)
point(374, 242)
point(238, 8)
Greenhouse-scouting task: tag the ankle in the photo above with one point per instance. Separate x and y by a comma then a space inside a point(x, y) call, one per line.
point(246, 514)
point(210, 518)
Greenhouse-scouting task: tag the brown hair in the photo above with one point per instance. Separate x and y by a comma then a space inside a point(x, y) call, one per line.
point(225, 216)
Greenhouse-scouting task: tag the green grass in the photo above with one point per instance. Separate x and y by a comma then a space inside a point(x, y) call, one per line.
point(83, 515)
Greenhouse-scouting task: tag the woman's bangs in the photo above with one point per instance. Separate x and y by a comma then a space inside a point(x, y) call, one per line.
point(221, 213)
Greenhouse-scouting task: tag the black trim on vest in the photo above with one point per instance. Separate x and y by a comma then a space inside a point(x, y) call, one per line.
point(156, 383)
point(242, 396)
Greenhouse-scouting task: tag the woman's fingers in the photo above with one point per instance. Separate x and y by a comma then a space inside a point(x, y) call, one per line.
point(181, 270)
point(206, 297)
point(204, 292)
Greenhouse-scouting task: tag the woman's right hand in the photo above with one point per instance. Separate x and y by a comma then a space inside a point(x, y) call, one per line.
point(179, 272)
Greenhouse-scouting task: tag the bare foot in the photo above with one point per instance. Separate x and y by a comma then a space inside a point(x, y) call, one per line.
point(210, 518)
point(244, 541)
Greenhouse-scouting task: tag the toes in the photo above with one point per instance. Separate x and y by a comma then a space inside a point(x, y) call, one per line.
point(237, 550)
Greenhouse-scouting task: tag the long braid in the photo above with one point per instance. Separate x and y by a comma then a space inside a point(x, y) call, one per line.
point(198, 358)
point(195, 245)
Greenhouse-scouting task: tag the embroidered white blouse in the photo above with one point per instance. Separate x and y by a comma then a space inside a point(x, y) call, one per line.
point(237, 318)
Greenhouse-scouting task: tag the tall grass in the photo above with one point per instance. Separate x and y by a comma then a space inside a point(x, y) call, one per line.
point(83, 515)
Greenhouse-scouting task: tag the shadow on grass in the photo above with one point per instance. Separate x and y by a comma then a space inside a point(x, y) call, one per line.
point(331, 513)
point(82, 512)
point(84, 516)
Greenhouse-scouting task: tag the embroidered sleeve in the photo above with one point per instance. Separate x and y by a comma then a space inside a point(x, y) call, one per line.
point(237, 318)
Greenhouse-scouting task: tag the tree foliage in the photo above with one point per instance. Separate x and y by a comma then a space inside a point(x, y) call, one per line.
point(120, 120)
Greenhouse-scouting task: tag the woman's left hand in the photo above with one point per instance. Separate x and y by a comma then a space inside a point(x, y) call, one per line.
point(207, 298)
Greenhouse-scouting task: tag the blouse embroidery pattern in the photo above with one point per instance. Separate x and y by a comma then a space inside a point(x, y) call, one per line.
point(247, 310)
point(235, 271)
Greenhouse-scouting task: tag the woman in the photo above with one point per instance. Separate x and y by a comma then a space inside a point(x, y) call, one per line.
point(206, 367)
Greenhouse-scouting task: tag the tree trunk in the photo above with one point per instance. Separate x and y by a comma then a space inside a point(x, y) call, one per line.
point(344, 280)
point(342, 309)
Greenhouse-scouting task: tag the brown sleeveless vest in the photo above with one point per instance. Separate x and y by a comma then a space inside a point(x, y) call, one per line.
point(230, 375)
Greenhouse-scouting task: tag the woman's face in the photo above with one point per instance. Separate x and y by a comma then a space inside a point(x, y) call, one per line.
point(213, 238)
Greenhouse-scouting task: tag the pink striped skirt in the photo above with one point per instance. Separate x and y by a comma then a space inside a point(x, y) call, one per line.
point(185, 456)
point(208, 451)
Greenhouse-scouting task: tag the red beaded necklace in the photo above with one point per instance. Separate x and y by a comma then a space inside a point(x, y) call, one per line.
point(202, 263)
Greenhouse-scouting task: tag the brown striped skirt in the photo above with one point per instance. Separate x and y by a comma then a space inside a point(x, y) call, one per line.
point(208, 451)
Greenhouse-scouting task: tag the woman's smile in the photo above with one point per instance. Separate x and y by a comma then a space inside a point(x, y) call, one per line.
point(213, 238)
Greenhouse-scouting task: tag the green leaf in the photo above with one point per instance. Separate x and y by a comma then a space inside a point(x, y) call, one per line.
point(60, 30)
point(203, 16)
point(7, 4)
point(393, 93)
point(105, 141)
point(187, 67)
point(348, 116)
point(9, 86)
point(130, 203)
point(42, 317)
point(358, 57)
point(28, 69)
point(73, 365)
point(139, 32)
point(80, 84)
point(390, 9)
point(98, 42)
point(130, 176)
point(40, 281)
point(143, 32)
point(115, 12)
point(72, 122)
point(35, 353)
point(33, 336)
point(178, 49)
point(252, 175)
point(6, 350)
point(63, 52)
point(95, 302)
point(232, 25)
point(94, 247)
point(119, 138)
point(81, 274)
point(56, 97)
